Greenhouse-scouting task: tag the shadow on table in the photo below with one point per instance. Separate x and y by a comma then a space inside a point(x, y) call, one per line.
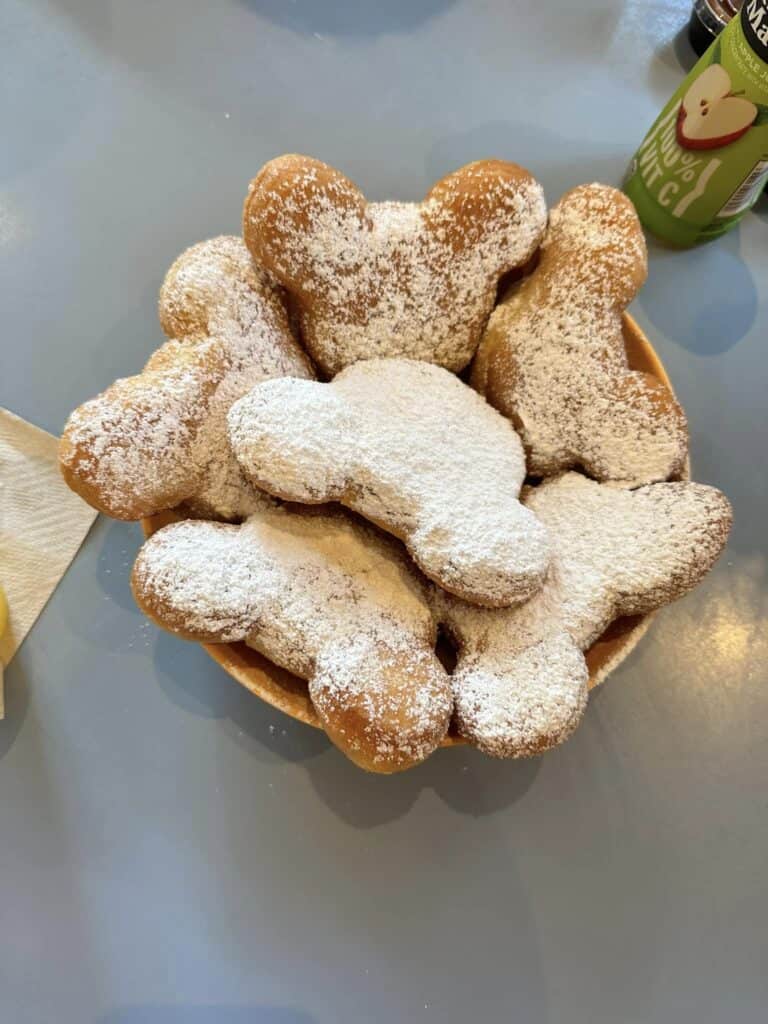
point(704, 299)
point(467, 781)
point(684, 53)
point(16, 690)
point(464, 779)
point(205, 1015)
point(677, 52)
point(760, 209)
point(355, 18)
point(101, 611)
point(120, 545)
point(196, 684)
point(557, 161)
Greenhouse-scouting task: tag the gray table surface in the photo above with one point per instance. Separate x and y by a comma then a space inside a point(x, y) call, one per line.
point(171, 849)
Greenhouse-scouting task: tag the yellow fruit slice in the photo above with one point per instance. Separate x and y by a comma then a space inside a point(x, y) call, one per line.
point(3, 611)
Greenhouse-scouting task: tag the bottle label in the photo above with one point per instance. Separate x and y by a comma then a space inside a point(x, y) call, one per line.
point(754, 20)
point(706, 157)
point(748, 191)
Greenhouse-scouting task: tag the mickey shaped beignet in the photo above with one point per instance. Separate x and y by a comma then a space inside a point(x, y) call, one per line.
point(153, 441)
point(392, 279)
point(520, 685)
point(324, 596)
point(337, 603)
point(553, 360)
point(415, 450)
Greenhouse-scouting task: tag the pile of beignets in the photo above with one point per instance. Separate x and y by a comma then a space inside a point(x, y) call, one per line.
point(384, 422)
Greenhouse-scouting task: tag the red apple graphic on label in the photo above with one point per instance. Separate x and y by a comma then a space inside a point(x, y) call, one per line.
point(709, 116)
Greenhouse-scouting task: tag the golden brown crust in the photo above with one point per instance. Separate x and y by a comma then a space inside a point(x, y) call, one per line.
point(120, 411)
point(146, 443)
point(553, 360)
point(392, 279)
point(335, 602)
point(520, 681)
point(376, 722)
point(324, 596)
point(282, 200)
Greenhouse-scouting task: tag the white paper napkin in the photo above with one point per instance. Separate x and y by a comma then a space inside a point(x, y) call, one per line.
point(42, 524)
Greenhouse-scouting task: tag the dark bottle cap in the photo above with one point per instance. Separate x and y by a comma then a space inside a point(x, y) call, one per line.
point(754, 24)
point(708, 19)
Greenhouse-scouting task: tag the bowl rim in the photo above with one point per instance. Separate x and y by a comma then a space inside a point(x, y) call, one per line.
point(288, 694)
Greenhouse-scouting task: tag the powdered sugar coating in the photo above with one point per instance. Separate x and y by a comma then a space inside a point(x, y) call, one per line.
point(520, 684)
point(553, 356)
point(325, 597)
point(412, 448)
point(337, 603)
point(519, 701)
point(152, 441)
point(392, 279)
point(386, 705)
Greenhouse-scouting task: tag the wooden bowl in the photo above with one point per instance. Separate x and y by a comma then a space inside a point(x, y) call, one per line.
point(289, 694)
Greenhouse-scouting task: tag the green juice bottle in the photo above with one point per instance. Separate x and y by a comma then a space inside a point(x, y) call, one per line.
point(705, 160)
